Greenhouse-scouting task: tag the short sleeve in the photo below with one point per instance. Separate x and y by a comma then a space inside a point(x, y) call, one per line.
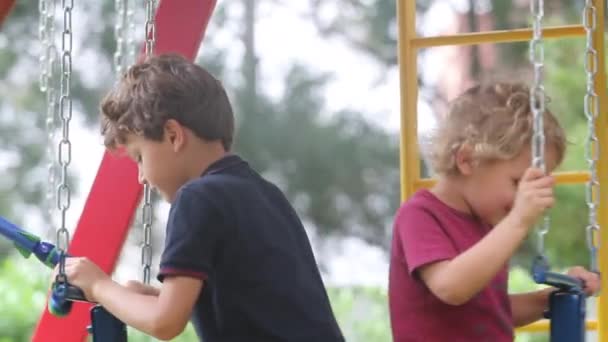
point(423, 238)
point(194, 235)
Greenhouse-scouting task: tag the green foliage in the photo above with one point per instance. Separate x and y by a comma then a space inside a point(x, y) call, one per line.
point(22, 297)
point(23, 286)
point(362, 313)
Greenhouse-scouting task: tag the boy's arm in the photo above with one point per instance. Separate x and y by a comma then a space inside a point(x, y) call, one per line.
point(141, 288)
point(529, 307)
point(457, 280)
point(164, 316)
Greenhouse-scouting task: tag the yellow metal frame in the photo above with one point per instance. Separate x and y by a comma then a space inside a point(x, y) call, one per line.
point(411, 181)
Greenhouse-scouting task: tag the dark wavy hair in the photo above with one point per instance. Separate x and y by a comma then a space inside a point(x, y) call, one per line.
point(161, 88)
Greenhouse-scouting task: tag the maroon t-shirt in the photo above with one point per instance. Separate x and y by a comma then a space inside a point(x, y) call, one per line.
point(426, 230)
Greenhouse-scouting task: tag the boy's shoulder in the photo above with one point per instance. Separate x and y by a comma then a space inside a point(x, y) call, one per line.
point(230, 170)
point(424, 208)
point(422, 200)
point(230, 179)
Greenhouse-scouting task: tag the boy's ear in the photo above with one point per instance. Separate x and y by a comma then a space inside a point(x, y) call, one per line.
point(175, 134)
point(464, 159)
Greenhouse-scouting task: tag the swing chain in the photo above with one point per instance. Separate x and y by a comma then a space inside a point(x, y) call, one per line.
point(43, 35)
point(150, 27)
point(51, 129)
point(119, 36)
point(65, 147)
point(537, 104)
point(48, 86)
point(130, 20)
point(123, 34)
point(146, 250)
point(592, 148)
point(46, 30)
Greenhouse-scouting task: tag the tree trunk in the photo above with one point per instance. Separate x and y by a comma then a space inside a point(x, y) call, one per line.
point(250, 59)
point(473, 27)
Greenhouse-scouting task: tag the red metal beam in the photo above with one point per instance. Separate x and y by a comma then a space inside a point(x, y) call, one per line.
point(5, 8)
point(115, 193)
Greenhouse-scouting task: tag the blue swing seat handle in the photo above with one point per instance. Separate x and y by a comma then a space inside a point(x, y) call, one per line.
point(74, 294)
point(542, 275)
point(560, 281)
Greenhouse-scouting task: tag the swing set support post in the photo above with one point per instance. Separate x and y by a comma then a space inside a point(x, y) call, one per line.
point(602, 166)
point(114, 196)
point(408, 79)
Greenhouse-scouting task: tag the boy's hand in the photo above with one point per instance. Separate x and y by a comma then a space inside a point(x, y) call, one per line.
point(591, 280)
point(84, 274)
point(534, 196)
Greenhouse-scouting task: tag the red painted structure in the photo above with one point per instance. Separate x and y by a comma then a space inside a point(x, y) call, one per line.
point(114, 196)
point(5, 8)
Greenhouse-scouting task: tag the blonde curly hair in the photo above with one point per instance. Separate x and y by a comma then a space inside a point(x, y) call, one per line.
point(495, 121)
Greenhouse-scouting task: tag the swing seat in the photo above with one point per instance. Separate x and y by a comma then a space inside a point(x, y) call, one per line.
point(567, 315)
point(566, 304)
point(105, 327)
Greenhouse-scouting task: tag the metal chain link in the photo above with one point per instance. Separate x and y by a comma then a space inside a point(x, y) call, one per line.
point(43, 35)
point(146, 250)
point(52, 166)
point(537, 104)
point(592, 148)
point(119, 36)
point(48, 85)
point(130, 44)
point(150, 29)
point(64, 152)
point(124, 30)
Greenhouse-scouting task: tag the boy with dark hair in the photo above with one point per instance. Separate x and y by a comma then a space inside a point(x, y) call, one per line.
point(237, 260)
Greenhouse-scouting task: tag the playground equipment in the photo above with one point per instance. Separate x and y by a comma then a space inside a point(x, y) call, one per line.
point(104, 326)
point(567, 303)
point(179, 27)
point(567, 310)
point(28, 244)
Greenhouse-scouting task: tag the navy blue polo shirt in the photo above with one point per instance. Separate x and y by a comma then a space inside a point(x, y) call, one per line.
point(238, 233)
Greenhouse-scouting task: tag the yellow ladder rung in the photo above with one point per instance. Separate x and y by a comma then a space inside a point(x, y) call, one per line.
point(499, 36)
point(543, 326)
point(572, 177)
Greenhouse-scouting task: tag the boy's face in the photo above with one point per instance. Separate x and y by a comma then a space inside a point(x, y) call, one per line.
point(491, 187)
point(156, 162)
